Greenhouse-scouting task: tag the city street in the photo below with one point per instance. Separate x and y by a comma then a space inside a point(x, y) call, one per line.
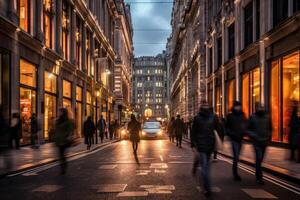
point(160, 171)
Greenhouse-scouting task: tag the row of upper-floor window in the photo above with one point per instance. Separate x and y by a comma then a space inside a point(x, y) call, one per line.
point(150, 78)
point(149, 71)
point(251, 29)
point(149, 63)
point(157, 84)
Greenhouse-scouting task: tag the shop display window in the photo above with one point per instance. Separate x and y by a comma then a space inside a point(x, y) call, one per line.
point(230, 95)
point(67, 89)
point(27, 74)
point(50, 116)
point(78, 93)
point(24, 14)
point(50, 82)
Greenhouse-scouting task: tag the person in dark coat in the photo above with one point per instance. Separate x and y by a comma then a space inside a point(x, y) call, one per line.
point(88, 131)
point(34, 131)
point(4, 141)
point(203, 142)
point(260, 131)
point(101, 127)
point(170, 129)
point(16, 130)
point(64, 130)
point(235, 125)
point(113, 127)
point(134, 128)
point(294, 133)
point(179, 128)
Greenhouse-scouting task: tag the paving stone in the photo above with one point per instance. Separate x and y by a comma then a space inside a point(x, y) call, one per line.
point(259, 194)
point(111, 188)
point(107, 166)
point(213, 189)
point(48, 188)
point(133, 194)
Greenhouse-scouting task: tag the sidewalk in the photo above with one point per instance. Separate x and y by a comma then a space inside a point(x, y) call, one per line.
point(276, 160)
point(26, 157)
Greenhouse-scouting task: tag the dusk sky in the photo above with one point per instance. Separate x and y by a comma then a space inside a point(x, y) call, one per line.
point(146, 14)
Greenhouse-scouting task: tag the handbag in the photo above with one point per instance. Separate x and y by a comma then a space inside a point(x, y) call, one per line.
point(218, 141)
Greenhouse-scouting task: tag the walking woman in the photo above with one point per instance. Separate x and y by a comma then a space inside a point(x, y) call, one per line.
point(88, 131)
point(63, 136)
point(134, 128)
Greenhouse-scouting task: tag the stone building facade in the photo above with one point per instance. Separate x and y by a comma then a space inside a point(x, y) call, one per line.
point(253, 50)
point(187, 57)
point(57, 53)
point(150, 87)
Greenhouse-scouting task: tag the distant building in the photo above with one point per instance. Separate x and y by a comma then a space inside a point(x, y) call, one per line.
point(150, 88)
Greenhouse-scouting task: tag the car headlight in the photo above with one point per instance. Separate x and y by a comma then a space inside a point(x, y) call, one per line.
point(143, 133)
point(159, 133)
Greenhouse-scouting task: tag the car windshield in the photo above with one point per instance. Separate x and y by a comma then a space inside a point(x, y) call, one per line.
point(151, 125)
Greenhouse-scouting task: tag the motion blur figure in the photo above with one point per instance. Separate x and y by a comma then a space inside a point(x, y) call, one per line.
point(88, 131)
point(113, 128)
point(171, 130)
point(16, 130)
point(101, 127)
point(203, 142)
point(134, 128)
point(260, 131)
point(34, 131)
point(178, 129)
point(235, 126)
point(4, 141)
point(294, 134)
point(64, 130)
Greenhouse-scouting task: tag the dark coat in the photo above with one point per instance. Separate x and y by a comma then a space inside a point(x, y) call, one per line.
point(235, 125)
point(4, 134)
point(101, 125)
point(178, 127)
point(260, 128)
point(88, 128)
point(170, 128)
point(134, 128)
point(16, 130)
point(294, 134)
point(34, 126)
point(64, 130)
point(202, 133)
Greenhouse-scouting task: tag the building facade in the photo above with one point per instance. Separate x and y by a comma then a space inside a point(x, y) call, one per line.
point(150, 87)
point(252, 55)
point(187, 57)
point(124, 60)
point(57, 53)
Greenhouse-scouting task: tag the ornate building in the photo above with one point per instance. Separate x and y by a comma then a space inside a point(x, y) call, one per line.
point(150, 87)
point(57, 53)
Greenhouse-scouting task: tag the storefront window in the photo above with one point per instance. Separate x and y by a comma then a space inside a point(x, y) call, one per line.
point(230, 95)
point(24, 14)
point(284, 93)
point(27, 98)
point(88, 103)
point(67, 94)
point(251, 91)
point(78, 93)
point(50, 82)
point(65, 30)
point(78, 111)
point(218, 106)
point(48, 11)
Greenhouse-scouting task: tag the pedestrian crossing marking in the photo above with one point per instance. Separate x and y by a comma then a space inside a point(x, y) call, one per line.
point(158, 166)
point(175, 156)
point(259, 194)
point(158, 189)
point(48, 188)
point(140, 172)
point(107, 166)
point(133, 194)
point(111, 188)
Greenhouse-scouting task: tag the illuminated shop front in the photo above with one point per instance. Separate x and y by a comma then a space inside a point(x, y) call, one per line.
point(250, 91)
point(88, 104)
point(78, 111)
point(67, 95)
point(284, 91)
point(230, 95)
point(28, 85)
point(50, 104)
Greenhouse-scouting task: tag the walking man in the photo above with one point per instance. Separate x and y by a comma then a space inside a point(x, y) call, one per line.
point(101, 127)
point(260, 130)
point(203, 143)
point(179, 128)
point(235, 128)
point(170, 129)
point(134, 128)
point(16, 130)
point(88, 131)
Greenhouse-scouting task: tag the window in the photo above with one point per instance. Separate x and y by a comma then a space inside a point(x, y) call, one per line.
point(250, 91)
point(257, 19)
point(231, 44)
point(65, 30)
point(219, 51)
point(284, 92)
point(230, 95)
point(218, 106)
point(210, 61)
point(48, 24)
point(248, 24)
point(88, 104)
point(27, 74)
point(50, 82)
point(24, 14)
point(78, 110)
point(78, 42)
point(87, 53)
point(67, 94)
point(78, 93)
point(280, 11)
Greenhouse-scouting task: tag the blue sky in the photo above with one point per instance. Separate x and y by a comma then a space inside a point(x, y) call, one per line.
point(154, 16)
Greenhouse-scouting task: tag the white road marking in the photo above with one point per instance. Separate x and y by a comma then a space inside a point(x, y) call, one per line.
point(158, 189)
point(259, 194)
point(158, 166)
point(161, 158)
point(111, 188)
point(47, 188)
point(107, 166)
point(133, 194)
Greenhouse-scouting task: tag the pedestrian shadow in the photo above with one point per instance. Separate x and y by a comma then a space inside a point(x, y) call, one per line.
point(136, 158)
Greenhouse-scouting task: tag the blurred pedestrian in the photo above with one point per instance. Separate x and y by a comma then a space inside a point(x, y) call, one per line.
point(64, 130)
point(260, 131)
point(4, 141)
point(294, 134)
point(235, 126)
point(220, 134)
point(113, 127)
point(34, 124)
point(101, 128)
point(134, 128)
point(88, 131)
point(15, 130)
point(179, 128)
point(203, 143)
point(171, 130)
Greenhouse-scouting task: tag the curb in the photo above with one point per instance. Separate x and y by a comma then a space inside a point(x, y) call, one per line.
point(274, 170)
point(52, 160)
